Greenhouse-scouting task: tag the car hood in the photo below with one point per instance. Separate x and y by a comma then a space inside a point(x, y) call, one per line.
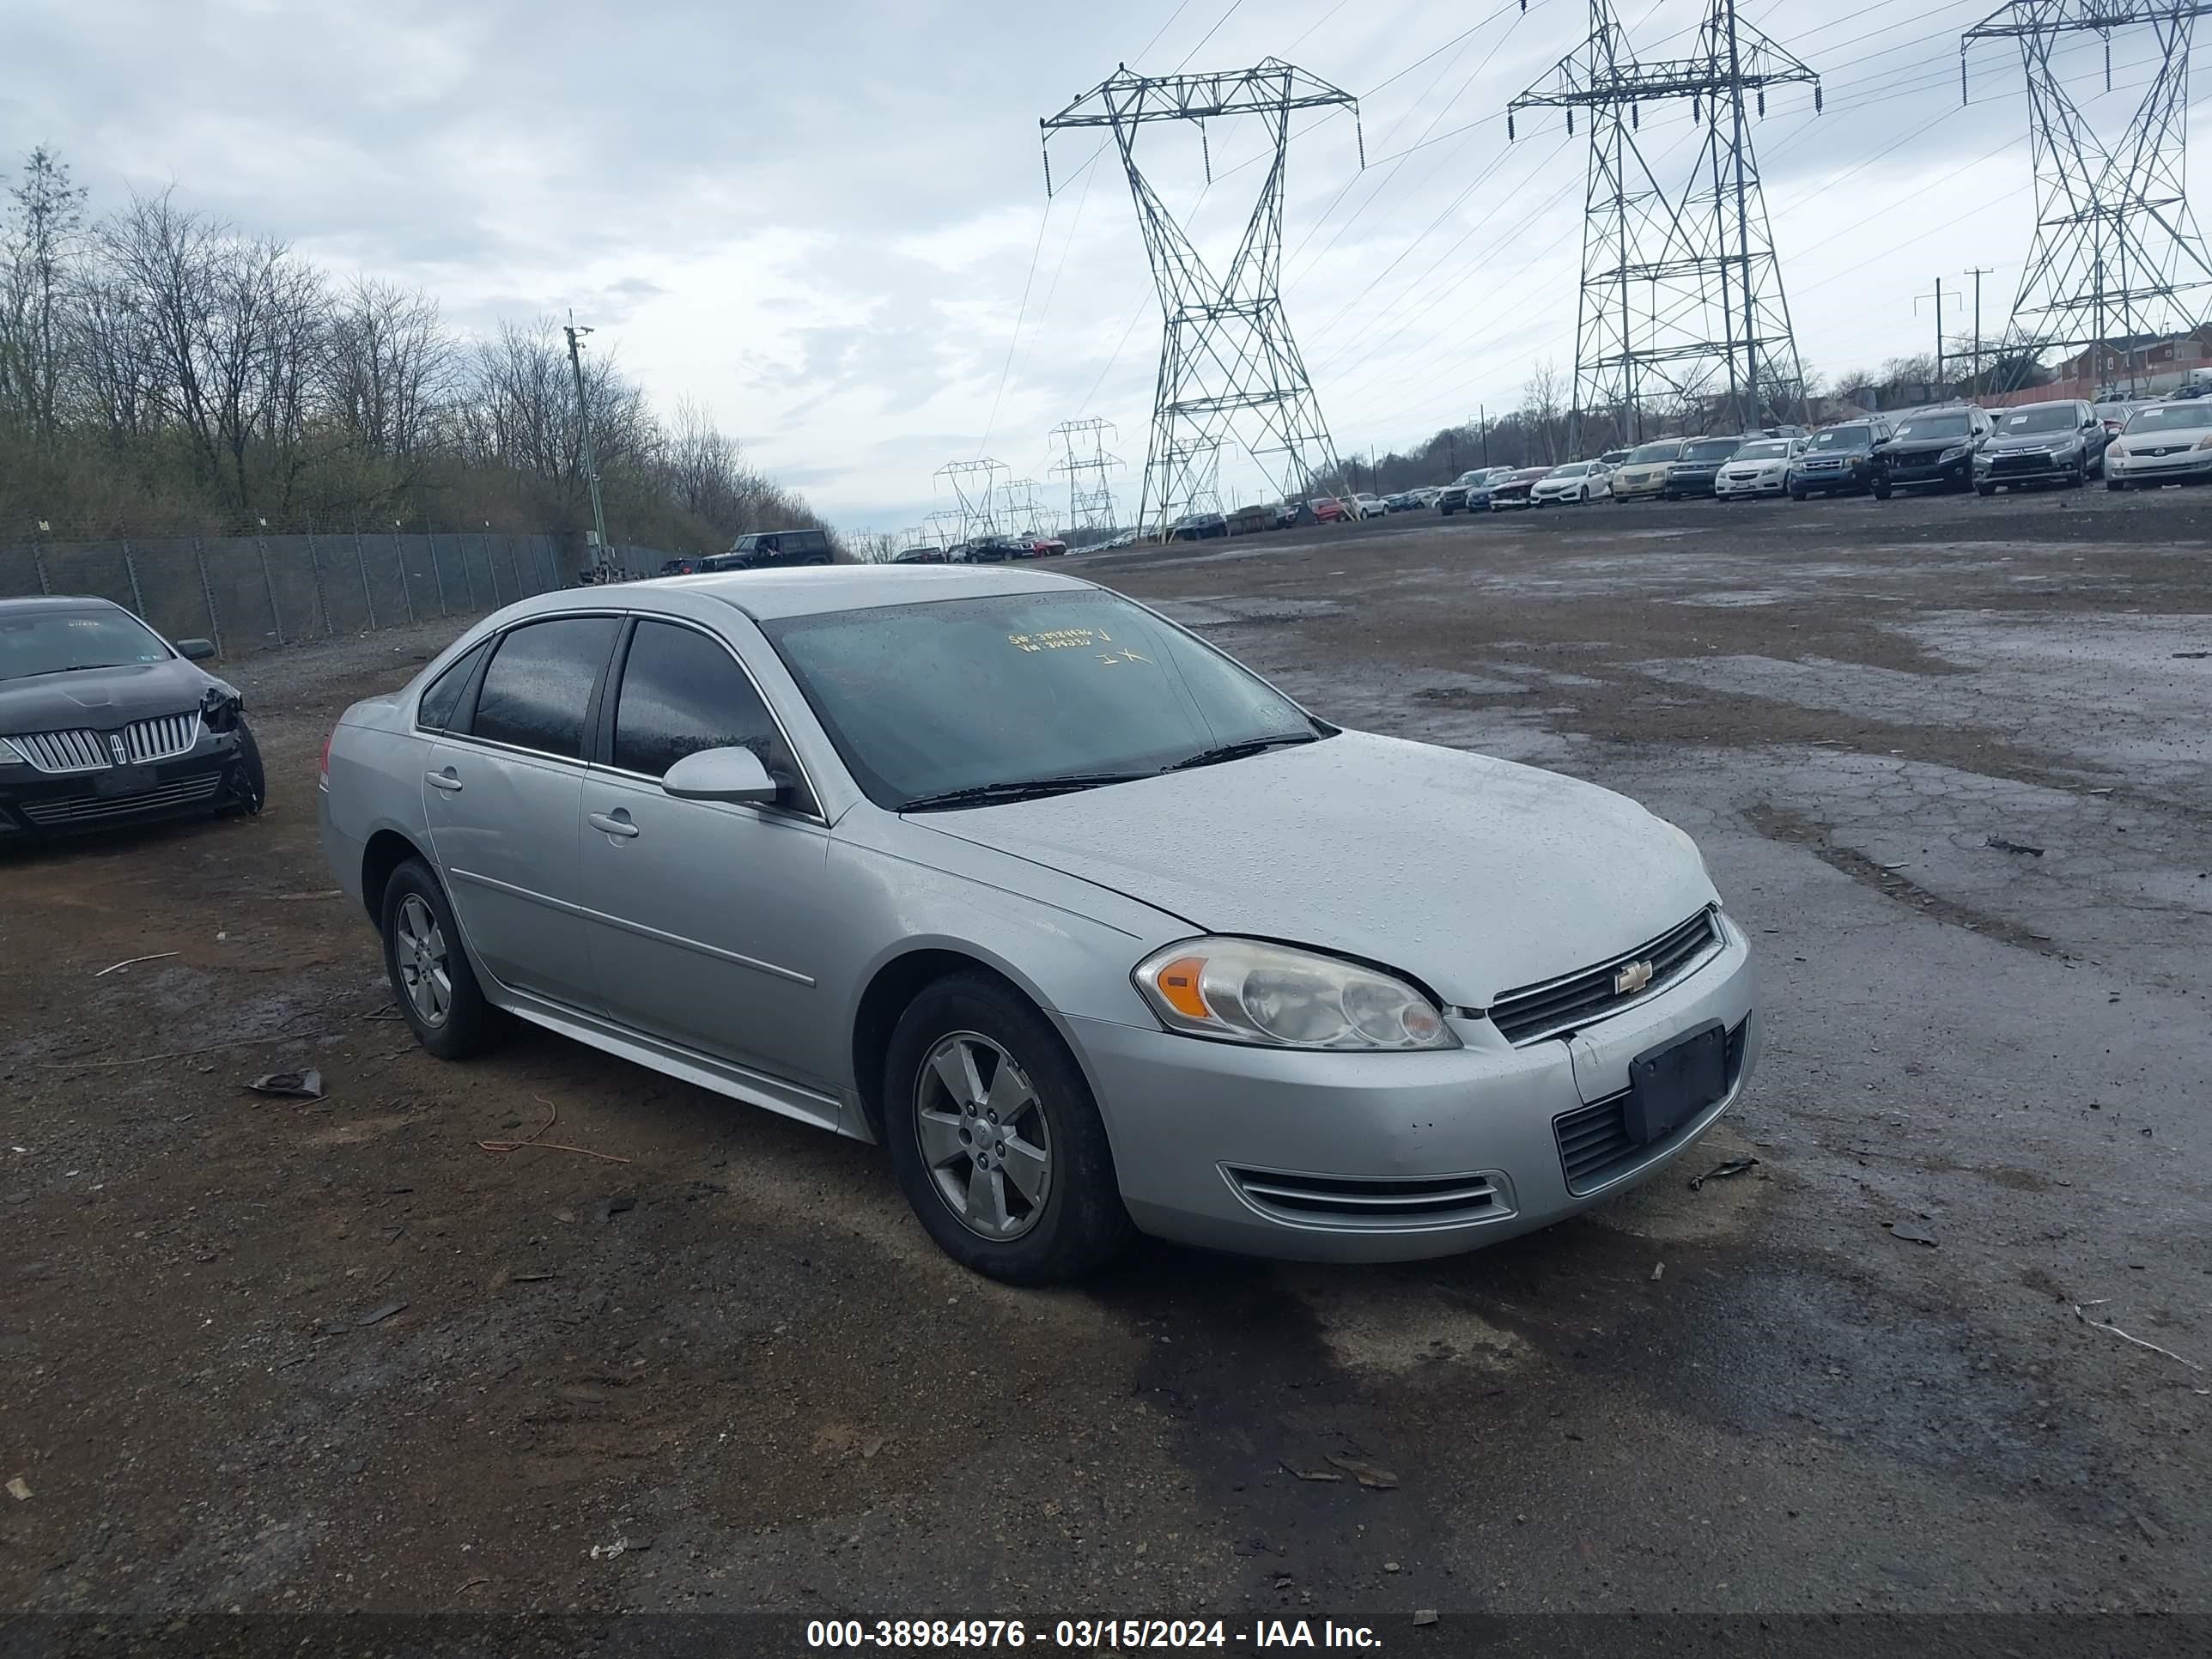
point(1922, 445)
point(100, 698)
point(1473, 875)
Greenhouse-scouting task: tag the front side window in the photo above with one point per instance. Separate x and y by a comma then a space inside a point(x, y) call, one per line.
point(683, 692)
point(538, 688)
point(44, 641)
point(1001, 692)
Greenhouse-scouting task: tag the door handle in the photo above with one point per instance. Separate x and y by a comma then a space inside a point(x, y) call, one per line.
point(614, 823)
point(445, 780)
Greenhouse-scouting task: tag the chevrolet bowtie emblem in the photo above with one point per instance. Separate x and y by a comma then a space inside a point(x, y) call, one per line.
point(1631, 979)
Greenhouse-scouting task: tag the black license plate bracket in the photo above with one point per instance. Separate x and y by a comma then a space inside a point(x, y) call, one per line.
point(1671, 1083)
point(119, 780)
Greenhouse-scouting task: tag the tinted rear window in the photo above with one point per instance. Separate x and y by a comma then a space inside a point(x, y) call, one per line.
point(539, 684)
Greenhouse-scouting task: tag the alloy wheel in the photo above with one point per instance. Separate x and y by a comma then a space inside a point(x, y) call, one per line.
point(983, 1135)
point(419, 949)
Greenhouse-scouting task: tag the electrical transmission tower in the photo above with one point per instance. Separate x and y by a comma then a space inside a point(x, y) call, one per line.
point(1020, 508)
point(1088, 466)
point(1681, 287)
point(975, 486)
point(945, 527)
point(2117, 259)
point(1229, 369)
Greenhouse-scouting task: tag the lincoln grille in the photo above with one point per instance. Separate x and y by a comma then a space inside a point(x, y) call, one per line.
point(163, 737)
point(1535, 1011)
point(1594, 1143)
point(1379, 1201)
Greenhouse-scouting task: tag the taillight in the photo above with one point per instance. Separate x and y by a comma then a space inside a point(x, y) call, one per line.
point(323, 778)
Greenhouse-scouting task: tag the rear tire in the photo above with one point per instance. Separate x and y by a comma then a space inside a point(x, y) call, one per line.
point(431, 976)
point(1985, 491)
point(2116, 485)
point(995, 1139)
point(1882, 492)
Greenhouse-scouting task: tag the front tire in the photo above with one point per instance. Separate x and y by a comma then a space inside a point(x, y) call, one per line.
point(1882, 492)
point(995, 1137)
point(249, 780)
point(1985, 491)
point(2115, 485)
point(431, 976)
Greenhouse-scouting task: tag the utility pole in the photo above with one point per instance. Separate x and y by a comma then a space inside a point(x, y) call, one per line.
point(1482, 425)
point(601, 555)
point(1977, 273)
point(1917, 299)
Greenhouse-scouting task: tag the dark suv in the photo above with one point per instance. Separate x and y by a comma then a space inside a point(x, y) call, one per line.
point(773, 549)
point(1836, 458)
point(1701, 465)
point(1931, 449)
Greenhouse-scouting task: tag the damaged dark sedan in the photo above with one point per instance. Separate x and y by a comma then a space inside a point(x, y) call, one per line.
point(104, 722)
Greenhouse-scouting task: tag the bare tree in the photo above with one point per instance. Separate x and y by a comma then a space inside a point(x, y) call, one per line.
point(388, 367)
point(43, 245)
point(1543, 398)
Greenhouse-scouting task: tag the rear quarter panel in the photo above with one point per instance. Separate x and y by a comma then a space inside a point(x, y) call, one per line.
point(376, 783)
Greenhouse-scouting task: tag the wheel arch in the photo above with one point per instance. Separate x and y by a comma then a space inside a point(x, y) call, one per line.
point(891, 989)
point(385, 852)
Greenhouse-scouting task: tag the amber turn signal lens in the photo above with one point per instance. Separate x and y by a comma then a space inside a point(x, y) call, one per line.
point(1178, 983)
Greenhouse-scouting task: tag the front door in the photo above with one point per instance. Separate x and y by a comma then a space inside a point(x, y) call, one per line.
point(505, 801)
point(710, 923)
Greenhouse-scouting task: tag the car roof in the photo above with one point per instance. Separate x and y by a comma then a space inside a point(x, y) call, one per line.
point(767, 595)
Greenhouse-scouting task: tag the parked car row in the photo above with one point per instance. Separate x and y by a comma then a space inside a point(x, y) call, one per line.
point(1954, 446)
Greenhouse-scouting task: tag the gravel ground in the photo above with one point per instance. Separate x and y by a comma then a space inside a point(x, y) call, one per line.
point(1949, 762)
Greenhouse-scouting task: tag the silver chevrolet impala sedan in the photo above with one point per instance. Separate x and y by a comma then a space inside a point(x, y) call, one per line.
point(1095, 931)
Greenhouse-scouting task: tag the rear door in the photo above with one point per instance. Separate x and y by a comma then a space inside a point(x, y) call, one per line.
point(712, 925)
point(503, 793)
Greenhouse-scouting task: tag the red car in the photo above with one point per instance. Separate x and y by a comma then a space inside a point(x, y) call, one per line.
point(1330, 510)
point(1049, 547)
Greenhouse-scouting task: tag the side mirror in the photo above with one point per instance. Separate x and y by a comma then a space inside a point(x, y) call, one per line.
point(196, 650)
point(726, 775)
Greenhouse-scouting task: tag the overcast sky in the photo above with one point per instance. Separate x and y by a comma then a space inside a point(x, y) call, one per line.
point(822, 219)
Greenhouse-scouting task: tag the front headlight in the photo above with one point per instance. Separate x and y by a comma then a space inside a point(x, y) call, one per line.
point(1244, 990)
point(11, 756)
point(2205, 444)
point(1952, 454)
point(220, 705)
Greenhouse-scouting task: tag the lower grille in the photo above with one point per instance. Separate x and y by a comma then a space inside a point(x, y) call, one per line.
point(99, 809)
point(1536, 1012)
point(1379, 1201)
point(2006, 463)
point(1594, 1143)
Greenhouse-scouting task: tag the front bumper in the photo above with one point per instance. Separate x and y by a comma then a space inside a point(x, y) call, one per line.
point(1763, 484)
point(1642, 487)
point(1917, 474)
point(1828, 480)
point(1234, 1148)
point(1680, 485)
point(2186, 466)
point(205, 778)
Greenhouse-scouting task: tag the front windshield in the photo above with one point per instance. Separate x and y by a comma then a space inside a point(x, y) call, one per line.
point(1771, 449)
point(923, 700)
point(1844, 437)
point(60, 641)
point(1951, 425)
point(1710, 449)
point(2169, 417)
point(2053, 417)
point(1658, 452)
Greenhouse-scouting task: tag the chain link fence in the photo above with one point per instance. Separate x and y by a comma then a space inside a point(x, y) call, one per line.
point(251, 593)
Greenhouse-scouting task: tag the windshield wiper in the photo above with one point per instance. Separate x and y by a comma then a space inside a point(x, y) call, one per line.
point(1229, 752)
point(989, 794)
